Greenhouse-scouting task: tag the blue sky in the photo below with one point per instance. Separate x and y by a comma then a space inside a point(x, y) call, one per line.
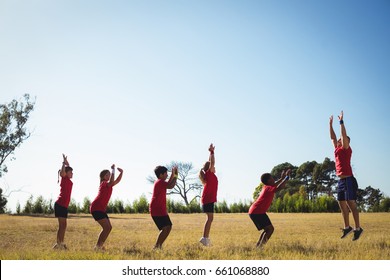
point(141, 83)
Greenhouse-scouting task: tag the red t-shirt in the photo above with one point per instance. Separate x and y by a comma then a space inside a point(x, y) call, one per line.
point(264, 200)
point(343, 161)
point(102, 199)
point(209, 194)
point(158, 204)
point(65, 192)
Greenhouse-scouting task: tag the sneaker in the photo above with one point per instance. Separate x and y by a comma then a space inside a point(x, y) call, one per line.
point(99, 248)
point(60, 246)
point(346, 232)
point(204, 241)
point(356, 234)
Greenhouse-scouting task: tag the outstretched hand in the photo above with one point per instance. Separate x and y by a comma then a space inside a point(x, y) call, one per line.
point(211, 148)
point(120, 170)
point(341, 116)
point(113, 166)
point(288, 172)
point(331, 120)
point(175, 170)
point(65, 158)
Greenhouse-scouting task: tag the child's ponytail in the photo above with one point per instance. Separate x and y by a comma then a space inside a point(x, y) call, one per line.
point(202, 172)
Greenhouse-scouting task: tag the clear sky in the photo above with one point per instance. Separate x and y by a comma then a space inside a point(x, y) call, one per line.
point(141, 83)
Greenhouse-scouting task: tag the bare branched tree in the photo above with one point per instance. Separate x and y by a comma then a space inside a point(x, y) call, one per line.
point(187, 185)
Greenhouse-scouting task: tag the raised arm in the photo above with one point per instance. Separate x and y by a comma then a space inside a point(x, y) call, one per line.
point(172, 180)
point(64, 164)
point(212, 157)
point(283, 180)
point(282, 176)
point(114, 181)
point(332, 133)
point(344, 137)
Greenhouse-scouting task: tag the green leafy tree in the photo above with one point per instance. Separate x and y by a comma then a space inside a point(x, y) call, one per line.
point(141, 205)
point(28, 207)
point(118, 207)
point(18, 209)
point(371, 199)
point(3, 202)
point(305, 174)
point(39, 205)
point(86, 204)
point(73, 207)
point(384, 205)
point(13, 132)
point(324, 177)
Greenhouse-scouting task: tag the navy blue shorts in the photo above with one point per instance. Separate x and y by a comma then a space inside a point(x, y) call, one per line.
point(347, 189)
point(99, 215)
point(260, 220)
point(60, 211)
point(162, 221)
point(208, 208)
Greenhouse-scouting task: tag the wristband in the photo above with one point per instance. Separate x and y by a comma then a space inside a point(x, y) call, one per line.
point(211, 152)
point(287, 178)
point(341, 122)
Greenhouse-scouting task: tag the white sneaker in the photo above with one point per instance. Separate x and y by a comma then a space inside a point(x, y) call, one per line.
point(205, 241)
point(60, 246)
point(99, 248)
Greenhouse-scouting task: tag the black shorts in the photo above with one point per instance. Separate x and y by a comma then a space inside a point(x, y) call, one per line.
point(162, 221)
point(347, 189)
point(260, 220)
point(60, 211)
point(208, 208)
point(99, 215)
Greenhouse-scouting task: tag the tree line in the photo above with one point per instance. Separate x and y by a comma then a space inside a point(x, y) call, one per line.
point(295, 203)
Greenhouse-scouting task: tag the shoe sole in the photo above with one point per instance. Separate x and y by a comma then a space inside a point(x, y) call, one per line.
point(358, 237)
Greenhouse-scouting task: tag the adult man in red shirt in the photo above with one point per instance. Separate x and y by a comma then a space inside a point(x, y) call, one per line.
point(347, 185)
point(158, 204)
point(257, 212)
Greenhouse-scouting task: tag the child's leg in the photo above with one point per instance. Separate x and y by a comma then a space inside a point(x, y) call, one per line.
point(106, 229)
point(61, 230)
point(355, 212)
point(265, 235)
point(164, 232)
point(345, 212)
point(207, 225)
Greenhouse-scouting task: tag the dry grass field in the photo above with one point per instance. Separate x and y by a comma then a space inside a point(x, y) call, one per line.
point(296, 237)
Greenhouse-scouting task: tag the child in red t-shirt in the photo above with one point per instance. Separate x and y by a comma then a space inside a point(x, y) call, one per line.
point(209, 194)
point(99, 205)
point(62, 202)
point(257, 211)
point(158, 204)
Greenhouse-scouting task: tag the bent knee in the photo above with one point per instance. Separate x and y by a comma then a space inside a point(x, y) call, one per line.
point(167, 228)
point(269, 229)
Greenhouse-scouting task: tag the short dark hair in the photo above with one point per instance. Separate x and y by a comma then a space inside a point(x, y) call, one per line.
point(160, 170)
point(68, 168)
point(265, 177)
